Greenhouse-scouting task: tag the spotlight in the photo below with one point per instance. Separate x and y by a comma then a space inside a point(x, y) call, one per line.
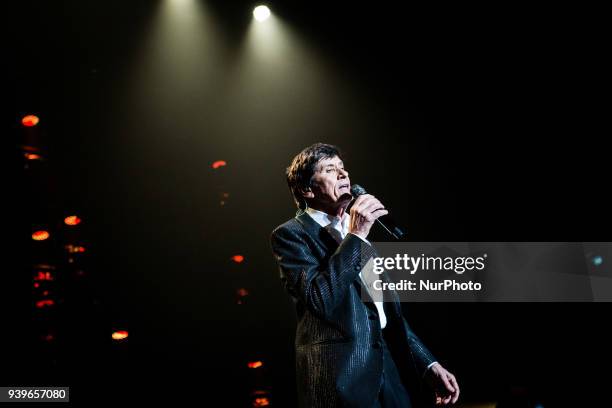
point(261, 13)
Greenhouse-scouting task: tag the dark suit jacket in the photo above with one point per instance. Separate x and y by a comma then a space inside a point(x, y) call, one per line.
point(338, 337)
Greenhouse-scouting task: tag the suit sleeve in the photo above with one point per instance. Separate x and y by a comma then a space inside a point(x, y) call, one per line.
point(421, 356)
point(320, 287)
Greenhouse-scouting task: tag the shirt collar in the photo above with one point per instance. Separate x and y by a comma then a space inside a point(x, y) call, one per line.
point(324, 219)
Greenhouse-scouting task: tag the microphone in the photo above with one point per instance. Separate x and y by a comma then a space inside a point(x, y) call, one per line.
point(385, 221)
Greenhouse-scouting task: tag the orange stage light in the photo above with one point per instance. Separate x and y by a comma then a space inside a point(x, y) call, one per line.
point(32, 156)
point(261, 402)
point(237, 258)
point(40, 235)
point(72, 220)
point(30, 120)
point(255, 364)
point(120, 335)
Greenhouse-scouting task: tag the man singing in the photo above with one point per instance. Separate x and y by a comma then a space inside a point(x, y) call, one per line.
point(349, 352)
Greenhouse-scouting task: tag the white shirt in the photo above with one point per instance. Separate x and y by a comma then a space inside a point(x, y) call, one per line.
point(342, 226)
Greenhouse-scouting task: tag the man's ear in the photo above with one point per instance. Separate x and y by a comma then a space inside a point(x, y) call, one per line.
point(306, 192)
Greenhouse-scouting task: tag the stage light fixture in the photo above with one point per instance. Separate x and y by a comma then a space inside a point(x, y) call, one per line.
point(261, 13)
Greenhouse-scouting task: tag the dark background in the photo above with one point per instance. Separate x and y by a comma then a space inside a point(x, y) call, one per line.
point(472, 123)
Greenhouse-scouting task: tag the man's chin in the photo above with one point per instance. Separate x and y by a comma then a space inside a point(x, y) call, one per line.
point(345, 198)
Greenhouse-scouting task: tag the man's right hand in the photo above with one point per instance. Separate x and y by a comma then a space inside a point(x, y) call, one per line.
point(364, 212)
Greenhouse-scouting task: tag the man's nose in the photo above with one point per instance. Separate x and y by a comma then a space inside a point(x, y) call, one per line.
point(342, 173)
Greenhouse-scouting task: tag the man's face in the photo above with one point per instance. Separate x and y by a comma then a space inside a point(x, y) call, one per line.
point(331, 185)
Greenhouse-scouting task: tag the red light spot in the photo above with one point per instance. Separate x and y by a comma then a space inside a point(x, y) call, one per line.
point(72, 220)
point(49, 337)
point(255, 364)
point(36, 285)
point(242, 292)
point(45, 293)
point(237, 258)
point(120, 335)
point(43, 276)
point(40, 235)
point(30, 120)
point(45, 302)
point(219, 163)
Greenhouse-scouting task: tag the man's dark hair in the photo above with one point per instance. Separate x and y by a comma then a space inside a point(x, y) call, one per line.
point(303, 166)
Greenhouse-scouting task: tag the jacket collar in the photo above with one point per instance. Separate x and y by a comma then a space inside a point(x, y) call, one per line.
point(317, 231)
point(324, 219)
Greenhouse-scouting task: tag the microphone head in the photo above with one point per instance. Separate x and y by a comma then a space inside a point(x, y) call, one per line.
point(357, 190)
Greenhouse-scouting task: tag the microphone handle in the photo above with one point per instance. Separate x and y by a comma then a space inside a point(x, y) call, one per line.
point(391, 227)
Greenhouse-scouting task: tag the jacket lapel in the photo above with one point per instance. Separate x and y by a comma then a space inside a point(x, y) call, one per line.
point(326, 240)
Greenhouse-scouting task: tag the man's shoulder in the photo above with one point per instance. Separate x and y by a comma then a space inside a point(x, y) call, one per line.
point(292, 226)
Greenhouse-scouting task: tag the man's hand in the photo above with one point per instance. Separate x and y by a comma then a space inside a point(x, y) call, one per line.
point(364, 212)
point(443, 383)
